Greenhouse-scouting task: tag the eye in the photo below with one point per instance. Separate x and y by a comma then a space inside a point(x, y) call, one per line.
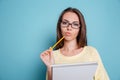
point(75, 24)
point(64, 23)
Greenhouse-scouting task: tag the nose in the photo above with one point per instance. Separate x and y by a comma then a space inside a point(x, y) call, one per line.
point(69, 27)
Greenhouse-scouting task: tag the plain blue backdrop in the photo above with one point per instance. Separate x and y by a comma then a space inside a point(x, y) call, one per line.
point(28, 27)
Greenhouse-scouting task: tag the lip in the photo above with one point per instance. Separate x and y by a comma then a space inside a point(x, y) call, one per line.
point(67, 33)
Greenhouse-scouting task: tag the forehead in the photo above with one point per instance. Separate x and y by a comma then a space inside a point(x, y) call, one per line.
point(70, 16)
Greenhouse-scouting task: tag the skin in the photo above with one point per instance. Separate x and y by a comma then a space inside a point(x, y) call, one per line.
point(70, 47)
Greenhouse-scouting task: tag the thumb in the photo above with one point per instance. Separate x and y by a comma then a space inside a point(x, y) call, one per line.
point(51, 49)
point(51, 54)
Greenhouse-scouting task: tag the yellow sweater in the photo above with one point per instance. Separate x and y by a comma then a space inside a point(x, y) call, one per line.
point(88, 54)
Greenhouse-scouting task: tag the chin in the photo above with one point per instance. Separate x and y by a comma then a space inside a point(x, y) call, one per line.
point(68, 38)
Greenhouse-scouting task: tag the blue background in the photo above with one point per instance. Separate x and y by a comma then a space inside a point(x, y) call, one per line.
point(28, 27)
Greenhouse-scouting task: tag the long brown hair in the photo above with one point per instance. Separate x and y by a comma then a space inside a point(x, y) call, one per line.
point(81, 38)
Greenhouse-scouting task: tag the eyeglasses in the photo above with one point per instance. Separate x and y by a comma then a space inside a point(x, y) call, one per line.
point(74, 25)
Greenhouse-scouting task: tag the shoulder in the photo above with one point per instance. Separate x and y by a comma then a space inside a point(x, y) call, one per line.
point(92, 50)
point(56, 52)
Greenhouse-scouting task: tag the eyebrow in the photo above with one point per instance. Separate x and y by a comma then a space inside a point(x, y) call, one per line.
point(69, 21)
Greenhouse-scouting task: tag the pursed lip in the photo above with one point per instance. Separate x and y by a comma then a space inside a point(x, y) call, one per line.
point(67, 33)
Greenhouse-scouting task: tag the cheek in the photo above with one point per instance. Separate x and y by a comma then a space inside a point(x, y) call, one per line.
point(76, 32)
point(62, 31)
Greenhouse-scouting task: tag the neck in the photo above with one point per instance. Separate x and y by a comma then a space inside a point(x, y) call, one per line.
point(70, 45)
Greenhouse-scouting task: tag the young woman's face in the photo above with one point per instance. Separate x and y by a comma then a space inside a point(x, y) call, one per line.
point(70, 26)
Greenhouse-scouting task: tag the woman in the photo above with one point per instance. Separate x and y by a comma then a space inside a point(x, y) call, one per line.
point(73, 49)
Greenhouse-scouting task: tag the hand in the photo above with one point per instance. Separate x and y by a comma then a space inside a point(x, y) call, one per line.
point(47, 58)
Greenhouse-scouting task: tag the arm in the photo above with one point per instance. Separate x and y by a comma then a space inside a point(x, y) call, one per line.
point(49, 73)
point(47, 58)
point(101, 73)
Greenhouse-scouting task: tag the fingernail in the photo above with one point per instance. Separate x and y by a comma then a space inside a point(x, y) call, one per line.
point(50, 48)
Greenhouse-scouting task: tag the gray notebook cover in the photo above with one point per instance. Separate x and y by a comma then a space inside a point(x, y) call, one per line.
point(78, 71)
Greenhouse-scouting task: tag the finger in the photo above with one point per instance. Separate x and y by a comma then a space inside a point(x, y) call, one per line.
point(48, 52)
point(42, 56)
point(50, 49)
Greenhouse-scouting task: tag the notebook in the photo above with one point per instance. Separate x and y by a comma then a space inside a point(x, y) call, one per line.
point(76, 71)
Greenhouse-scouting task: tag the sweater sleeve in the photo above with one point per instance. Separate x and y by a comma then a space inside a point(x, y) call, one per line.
point(46, 75)
point(101, 73)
